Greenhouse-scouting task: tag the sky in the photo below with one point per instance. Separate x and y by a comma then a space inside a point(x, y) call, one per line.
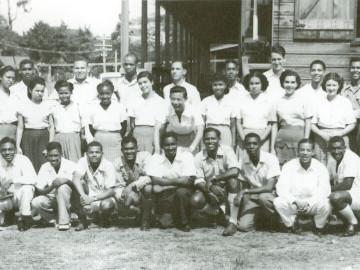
point(100, 16)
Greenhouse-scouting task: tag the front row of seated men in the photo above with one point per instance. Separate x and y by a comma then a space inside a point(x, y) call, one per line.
point(174, 184)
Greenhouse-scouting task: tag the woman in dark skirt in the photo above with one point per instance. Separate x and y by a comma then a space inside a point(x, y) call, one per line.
point(293, 115)
point(68, 122)
point(8, 118)
point(35, 124)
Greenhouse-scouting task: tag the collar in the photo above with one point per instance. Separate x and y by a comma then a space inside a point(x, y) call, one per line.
point(186, 112)
point(219, 153)
point(248, 161)
point(125, 81)
point(123, 160)
point(101, 167)
point(352, 88)
point(74, 81)
point(62, 162)
point(5, 164)
point(311, 167)
point(165, 159)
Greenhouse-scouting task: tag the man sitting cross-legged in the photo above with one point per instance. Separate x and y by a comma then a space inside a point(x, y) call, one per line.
point(172, 174)
point(95, 182)
point(259, 171)
point(303, 188)
point(54, 188)
point(135, 186)
point(344, 172)
point(17, 180)
point(217, 171)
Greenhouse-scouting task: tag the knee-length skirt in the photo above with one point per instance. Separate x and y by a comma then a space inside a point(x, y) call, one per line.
point(111, 142)
point(286, 142)
point(225, 131)
point(71, 145)
point(7, 130)
point(145, 138)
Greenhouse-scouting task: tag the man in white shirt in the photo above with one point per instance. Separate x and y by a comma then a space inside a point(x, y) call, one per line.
point(277, 58)
point(17, 180)
point(27, 72)
point(236, 89)
point(303, 188)
point(344, 171)
point(95, 182)
point(172, 174)
point(54, 188)
point(129, 87)
point(178, 74)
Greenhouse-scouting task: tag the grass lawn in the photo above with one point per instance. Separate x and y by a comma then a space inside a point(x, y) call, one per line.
point(203, 248)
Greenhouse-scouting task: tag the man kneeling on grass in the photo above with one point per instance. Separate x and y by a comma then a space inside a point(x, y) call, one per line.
point(54, 188)
point(135, 186)
point(303, 188)
point(345, 174)
point(17, 180)
point(259, 171)
point(217, 170)
point(95, 182)
point(172, 174)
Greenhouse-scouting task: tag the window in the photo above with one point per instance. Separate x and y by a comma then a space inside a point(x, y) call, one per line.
point(324, 19)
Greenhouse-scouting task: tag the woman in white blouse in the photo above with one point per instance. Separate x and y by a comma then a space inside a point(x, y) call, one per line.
point(255, 111)
point(183, 119)
point(68, 122)
point(293, 116)
point(107, 122)
point(35, 125)
point(8, 118)
point(333, 116)
point(218, 111)
point(144, 111)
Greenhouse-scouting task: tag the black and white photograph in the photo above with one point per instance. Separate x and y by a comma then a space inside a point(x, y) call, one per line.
point(179, 134)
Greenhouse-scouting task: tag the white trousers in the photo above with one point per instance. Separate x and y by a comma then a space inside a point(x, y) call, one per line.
point(320, 209)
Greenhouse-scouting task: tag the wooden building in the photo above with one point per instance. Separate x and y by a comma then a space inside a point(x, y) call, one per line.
point(206, 32)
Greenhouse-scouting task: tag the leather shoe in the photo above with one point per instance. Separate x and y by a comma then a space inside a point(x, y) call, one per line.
point(350, 230)
point(230, 230)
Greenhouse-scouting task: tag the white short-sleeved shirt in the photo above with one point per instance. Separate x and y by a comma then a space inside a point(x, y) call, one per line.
point(256, 113)
point(193, 96)
point(274, 90)
point(258, 176)
point(128, 90)
point(47, 173)
point(348, 167)
point(100, 180)
point(308, 92)
point(296, 183)
point(190, 119)
point(207, 168)
point(293, 110)
point(236, 93)
point(149, 111)
point(8, 108)
point(109, 119)
point(36, 116)
point(337, 113)
point(217, 112)
point(182, 166)
point(67, 119)
point(84, 92)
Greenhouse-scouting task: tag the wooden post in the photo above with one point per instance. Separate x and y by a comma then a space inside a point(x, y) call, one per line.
point(175, 39)
point(255, 22)
point(167, 37)
point(157, 43)
point(144, 33)
point(124, 27)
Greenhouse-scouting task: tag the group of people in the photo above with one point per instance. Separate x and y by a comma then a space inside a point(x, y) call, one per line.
point(259, 151)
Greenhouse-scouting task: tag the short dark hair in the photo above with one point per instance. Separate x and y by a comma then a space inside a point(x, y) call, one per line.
point(178, 89)
point(131, 54)
point(336, 139)
point(305, 140)
point(287, 73)
point(333, 76)
point(54, 145)
point(5, 69)
point(168, 135)
point(33, 82)
point(252, 135)
point(25, 62)
point(93, 144)
point(319, 62)
point(264, 81)
point(354, 59)
point(128, 139)
point(106, 83)
point(277, 48)
point(183, 63)
point(231, 61)
point(62, 83)
point(7, 140)
point(81, 58)
point(211, 129)
point(145, 74)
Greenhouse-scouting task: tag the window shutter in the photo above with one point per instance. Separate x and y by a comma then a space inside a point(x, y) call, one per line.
point(324, 19)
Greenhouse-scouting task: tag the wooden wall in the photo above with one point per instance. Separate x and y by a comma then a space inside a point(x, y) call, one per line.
point(335, 54)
